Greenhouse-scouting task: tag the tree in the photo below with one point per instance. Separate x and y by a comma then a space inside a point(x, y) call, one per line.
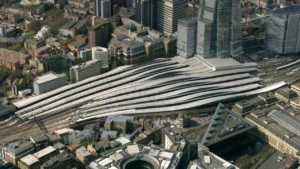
point(5, 89)
point(34, 26)
point(16, 47)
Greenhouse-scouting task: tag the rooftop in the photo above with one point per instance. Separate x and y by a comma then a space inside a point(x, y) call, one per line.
point(29, 160)
point(283, 123)
point(47, 77)
point(289, 10)
point(68, 25)
point(44, 152)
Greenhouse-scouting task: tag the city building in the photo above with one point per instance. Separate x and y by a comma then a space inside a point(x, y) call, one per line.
point(167, 14)
point(64, 135)
point(133, 43)
point(6, 109)
point(187, 37)
point(119, 123)
point(80, 137)
point(109, 135)
point(279, 126)
point(48, 82)
point(183, 121)
point(85, 70)
point(73, 28)
point(282, 36)
point(40, 141)
point(83, 155)
point(73, 147)
point(145, 12)
point(48, 62)
point(44, 33)
point(63, 160)
point(86, 54)
point(16, 150)
point(296, 87)
point(117, 4)
point(100, 34)
point(132, 156)
point(15, 56)
point(285, 94)
point(45, 154)
point(128, 13)
point(219, 30)
point(101, 53)
point(29, 162)
point(33, 44)
point(103, 8)
point(208, 160)
point(80, 4)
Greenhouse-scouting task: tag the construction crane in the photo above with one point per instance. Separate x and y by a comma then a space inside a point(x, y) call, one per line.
point(246, 17)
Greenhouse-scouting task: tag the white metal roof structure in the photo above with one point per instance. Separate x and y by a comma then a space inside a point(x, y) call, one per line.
point(162, 85)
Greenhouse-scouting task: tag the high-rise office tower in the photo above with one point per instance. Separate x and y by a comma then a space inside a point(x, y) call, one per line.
point(103, 8)
point(219, 31)
point(187, 37)
point(144, 12)
point(100, 34)
point(168, 12)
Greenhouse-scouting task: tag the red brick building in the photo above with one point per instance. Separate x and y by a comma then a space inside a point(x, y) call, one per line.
point(12, 59)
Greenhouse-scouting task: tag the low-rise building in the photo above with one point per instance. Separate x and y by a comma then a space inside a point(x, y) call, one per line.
point(73, 28)
point(296, 88)
point(73, 147)
point(85, 70)
point(83, 155)
point(48, 62)
point(63, 160)
point(29, 162)
point(109, 135)
point(33, 44)
point(48, 82)
point(133, 43)
point(80, 137)
point(40, 141)
point(279, 126)
point(45, 154)
point(17, 150)
point(9, 54)
point(285, 94)
point(122, 123)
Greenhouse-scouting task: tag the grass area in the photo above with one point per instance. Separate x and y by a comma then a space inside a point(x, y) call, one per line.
point(29, 35)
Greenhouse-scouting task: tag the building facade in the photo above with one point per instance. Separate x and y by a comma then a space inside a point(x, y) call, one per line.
point(103, 8)
point(145, 12)
point(48, 82)
point(100, 34)
point(101, 53)
point(186, 38)
point(167, 14)
point(282, 35)
point(85, 70)
point(219, 30)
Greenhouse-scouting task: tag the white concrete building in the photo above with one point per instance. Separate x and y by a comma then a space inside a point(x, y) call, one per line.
point(101, 53)
point(48, 82)
point(85, 70)
point(44, 33)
